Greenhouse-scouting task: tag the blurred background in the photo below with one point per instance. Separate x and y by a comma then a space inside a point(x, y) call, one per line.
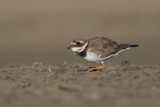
point(41, 30)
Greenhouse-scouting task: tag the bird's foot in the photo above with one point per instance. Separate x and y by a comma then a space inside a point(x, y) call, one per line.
point(91, 69)
point(96, 68)
point(81, 70)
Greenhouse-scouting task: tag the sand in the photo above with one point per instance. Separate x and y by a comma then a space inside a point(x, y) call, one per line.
point(40, 85)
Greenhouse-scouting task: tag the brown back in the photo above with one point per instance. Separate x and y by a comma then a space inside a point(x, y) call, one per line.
point(105, 45)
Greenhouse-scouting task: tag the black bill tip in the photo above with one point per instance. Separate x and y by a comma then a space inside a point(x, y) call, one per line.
point(68, 48)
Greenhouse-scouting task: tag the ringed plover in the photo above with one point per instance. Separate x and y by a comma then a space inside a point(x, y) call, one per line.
point(98, 49)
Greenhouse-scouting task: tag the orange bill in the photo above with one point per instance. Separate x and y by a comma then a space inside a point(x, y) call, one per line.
point(70, 47)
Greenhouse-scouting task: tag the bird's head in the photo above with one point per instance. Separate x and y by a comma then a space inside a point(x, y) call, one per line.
point(78, 45)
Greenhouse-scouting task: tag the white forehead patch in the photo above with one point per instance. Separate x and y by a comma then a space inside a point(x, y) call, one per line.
point(73, 43)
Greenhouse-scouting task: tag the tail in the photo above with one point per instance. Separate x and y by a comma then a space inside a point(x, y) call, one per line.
point(133, 45)
point(125, 46)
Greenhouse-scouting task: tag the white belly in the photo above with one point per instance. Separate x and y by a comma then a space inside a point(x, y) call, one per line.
point(90, 56)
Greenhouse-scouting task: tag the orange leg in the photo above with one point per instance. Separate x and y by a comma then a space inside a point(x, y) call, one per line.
point(92, 69)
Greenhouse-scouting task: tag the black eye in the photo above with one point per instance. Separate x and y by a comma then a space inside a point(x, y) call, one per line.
point(78, 43)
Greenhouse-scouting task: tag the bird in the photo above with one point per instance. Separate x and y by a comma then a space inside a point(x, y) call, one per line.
point(98, 50)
